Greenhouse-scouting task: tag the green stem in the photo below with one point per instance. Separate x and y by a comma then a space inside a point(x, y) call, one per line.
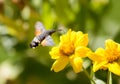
point(109, 78)
point(87, 74)
point(91, 73)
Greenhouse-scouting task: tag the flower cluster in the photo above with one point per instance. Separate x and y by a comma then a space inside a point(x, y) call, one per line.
point(73, 47)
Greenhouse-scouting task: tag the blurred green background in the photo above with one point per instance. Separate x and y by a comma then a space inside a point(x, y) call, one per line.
point(19, 64)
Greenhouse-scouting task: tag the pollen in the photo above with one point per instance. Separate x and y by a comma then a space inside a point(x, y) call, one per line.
point(113, 56)
point(67, 52)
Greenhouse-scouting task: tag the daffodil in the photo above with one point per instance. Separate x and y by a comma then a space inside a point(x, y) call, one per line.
point(108, 58)
point(71, 49)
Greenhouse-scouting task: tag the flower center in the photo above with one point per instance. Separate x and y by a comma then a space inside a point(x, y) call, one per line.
point(67, 50)
point(113, 56)
point(66, 54)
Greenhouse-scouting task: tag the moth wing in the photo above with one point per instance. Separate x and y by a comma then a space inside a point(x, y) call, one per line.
point(39, 28)
point(48, 41)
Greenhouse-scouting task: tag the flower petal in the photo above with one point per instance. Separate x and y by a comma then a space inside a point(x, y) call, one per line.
point(76, 63)
point(118, 47)
point(66, 37)
point(97, 56)
point(73, 37)
point(114, 68)
point(55, 53)
point(99, 65)
point(81, 51)
point(60, 64)
point(81, 39)
point(111, 45)
point(66, 45)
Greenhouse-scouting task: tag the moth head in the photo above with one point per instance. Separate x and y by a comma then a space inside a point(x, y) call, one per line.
point(34, 44)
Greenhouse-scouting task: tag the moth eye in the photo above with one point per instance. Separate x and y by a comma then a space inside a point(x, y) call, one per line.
point(33, 44)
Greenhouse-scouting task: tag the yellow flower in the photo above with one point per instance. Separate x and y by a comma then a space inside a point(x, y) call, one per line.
point(108, 58)
point(71, 49)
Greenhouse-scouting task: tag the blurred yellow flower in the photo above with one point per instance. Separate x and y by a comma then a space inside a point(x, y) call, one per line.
point(72, 48)
point(108, 58)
